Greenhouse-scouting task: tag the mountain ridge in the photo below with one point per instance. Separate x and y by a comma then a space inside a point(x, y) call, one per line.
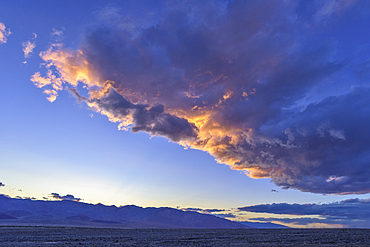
point(18, 211)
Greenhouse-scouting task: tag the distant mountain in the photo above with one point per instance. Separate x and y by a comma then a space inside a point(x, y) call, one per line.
point(266, 225)
point(6, 217)
point(14, 211)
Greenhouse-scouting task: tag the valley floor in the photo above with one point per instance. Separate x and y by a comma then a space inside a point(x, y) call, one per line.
point(74, 236)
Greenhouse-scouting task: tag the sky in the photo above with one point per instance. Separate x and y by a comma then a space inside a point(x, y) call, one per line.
point(258, 110)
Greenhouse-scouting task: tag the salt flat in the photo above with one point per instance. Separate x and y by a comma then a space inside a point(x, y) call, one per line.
point(71, 236)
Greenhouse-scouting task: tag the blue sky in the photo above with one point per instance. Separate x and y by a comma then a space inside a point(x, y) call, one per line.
point(277, 91)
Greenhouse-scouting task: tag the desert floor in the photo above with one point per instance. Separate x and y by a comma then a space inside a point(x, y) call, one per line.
point(74, 236)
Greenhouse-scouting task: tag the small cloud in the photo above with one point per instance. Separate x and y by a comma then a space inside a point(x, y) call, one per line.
point(29, 198)
point(214, 210)
point(337, 179)
point(229, 215)
point(57, 34)
point(49, 80)
point(326, 128)
point(68, 197)
point(204, 211)
point(109, 14)
point(52, 95)
point(337, 134)
point(3, 33)
point(28, 48)
point(1, 184)
point(192, 209)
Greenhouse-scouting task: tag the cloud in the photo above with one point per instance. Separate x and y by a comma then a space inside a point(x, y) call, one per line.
point(350, 212)
point(49, 79)
point(4, 33)
point(29, 46)
point(204, 211)
point(2, 184)
point(57, 35)
point(229, 215)
point(27, 197)
point(228, 78)
point(142, 117)
point(352, 208)
point(213, 210)
point(221, 213)
point(330, 7)
point(66, 197)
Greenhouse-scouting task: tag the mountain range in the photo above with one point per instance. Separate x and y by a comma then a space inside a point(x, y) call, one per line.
point(17, 211)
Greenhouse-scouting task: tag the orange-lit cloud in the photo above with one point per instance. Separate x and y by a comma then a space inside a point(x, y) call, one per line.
point(4, 33)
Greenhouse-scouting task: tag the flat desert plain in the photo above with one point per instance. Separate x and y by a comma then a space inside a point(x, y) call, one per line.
point(74, 236)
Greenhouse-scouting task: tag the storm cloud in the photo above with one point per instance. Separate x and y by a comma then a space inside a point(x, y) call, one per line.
point(232, 78)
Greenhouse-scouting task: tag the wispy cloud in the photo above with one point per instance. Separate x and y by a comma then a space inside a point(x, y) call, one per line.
point(227, 78)
point(4, 33)
point(28, 47)
point(204, 211)
point(57, 35)
point(328, 8)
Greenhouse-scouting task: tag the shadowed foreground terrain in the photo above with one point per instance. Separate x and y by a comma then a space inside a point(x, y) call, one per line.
point(63, 236)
